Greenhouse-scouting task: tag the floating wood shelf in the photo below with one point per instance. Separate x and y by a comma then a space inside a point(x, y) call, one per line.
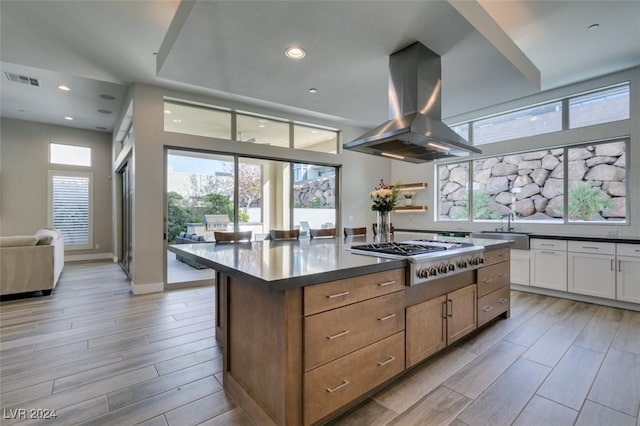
point(412, 186)
point(410, 209)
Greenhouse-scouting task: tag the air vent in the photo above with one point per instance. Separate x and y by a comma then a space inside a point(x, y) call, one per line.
point(22, 79)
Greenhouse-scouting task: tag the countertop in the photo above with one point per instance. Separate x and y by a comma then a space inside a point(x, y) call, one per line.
point(289, 264)
point(546, 237)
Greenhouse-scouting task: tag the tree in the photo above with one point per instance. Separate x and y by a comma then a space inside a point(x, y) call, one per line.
point(177, 215)
point(218, 204)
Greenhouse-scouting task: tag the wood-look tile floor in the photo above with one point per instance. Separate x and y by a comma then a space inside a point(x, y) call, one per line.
point(98, 355)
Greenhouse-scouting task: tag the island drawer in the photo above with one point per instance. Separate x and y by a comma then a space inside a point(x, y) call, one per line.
point(332, 334)
point(334, 294)
point(544, 244)
point(495, 256)
point(491, 278)
point(628, 249)
point(493, 304)
point(334, 385)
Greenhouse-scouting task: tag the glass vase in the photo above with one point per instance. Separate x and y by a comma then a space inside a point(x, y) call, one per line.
point(383, 225)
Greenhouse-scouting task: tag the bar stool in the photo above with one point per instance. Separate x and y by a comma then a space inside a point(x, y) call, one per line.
point(284, 234)
point(231, 236)
point(323, 233)
point(349, 232)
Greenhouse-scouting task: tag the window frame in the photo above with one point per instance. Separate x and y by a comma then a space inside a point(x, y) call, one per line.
point(66, 173)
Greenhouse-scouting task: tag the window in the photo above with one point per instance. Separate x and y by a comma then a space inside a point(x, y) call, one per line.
point(262, 130)
point(314, 195)
point(196, 120)
point(217, 122)
point(532, 185)
point(526, 122)
point(603, 106)
point(454, 191)
point(70, 207)
point(597, 183)
point(70, 155)
point(315, 139)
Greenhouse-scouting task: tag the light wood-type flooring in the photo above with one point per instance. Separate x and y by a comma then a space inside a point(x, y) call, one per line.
point(100, 356)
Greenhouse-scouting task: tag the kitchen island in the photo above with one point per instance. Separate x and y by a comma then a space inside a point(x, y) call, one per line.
point(308, 329)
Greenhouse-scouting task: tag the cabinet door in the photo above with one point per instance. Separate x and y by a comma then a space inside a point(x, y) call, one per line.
point(549, 269)
point(462, 313)
point(520, 271)
point(426, 329)
point(628, 279)
point(592, 274)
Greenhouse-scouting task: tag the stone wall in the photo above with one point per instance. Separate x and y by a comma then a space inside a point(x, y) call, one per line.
point(318, 193)
point(532, 184)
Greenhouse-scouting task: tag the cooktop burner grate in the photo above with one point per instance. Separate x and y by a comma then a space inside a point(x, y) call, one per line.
point(402, 249)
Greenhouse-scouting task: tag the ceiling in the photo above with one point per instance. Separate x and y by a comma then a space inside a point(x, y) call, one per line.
point(492, 51)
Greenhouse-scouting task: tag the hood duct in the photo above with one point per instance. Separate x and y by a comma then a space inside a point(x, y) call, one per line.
point(414, 132)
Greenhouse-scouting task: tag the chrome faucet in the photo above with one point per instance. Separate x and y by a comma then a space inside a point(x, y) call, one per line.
point(509, 217)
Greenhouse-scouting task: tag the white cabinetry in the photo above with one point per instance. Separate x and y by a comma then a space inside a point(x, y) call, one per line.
point(520, 266)
point(628, 272)
point(592, 268)
point(549, 258)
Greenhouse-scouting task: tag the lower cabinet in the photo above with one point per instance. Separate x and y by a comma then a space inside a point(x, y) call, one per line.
point(520, 266)
point(549, 264)
point(438, 322)
point(592, 268)
point(628, 273)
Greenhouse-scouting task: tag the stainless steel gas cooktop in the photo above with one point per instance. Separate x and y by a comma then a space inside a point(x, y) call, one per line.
point(428, 259)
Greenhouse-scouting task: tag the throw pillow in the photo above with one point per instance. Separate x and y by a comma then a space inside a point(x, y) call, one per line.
point(18, 241)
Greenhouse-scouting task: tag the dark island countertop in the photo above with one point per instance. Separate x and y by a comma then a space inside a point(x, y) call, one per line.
point(284, 264)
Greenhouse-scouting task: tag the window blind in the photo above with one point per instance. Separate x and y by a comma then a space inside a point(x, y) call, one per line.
point(71, 208)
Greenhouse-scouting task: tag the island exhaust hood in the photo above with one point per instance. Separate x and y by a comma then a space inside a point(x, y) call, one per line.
point(415, 132)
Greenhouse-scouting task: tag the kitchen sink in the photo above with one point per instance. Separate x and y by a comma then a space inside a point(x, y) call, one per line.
point(520, 239)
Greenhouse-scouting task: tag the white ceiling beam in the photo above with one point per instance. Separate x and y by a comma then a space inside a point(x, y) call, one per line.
point(477, 16)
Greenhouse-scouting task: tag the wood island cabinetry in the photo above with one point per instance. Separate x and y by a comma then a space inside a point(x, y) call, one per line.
point(301, 355)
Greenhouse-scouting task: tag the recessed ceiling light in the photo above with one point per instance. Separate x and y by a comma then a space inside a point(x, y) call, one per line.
point(593, 26)
point(64, 88)
point(177, 121)
point(68, 118)
point(167, 111)
point(314, 131)
point(261, 126)
point(104, 111)
point(108, 97)
point(295, 52)
point(313, 90)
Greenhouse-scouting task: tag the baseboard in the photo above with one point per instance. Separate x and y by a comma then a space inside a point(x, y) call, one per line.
point(84, 257)
point(147, 288)
point(579, 297)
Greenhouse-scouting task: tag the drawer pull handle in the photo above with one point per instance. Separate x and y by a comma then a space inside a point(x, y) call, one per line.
point(386, 283)
point(548, 252)
point(387, 317)
point(501, 255)
point(613, 268)
point(450, 302)
point(333, 296)
point(335, 336)
point(547, 245)
point(488, 280)
point(620, 265)
point(340, 386)
point(503, 300)
point(390, 360)
point(502, 275)
point(591, 247)
point(487, 308)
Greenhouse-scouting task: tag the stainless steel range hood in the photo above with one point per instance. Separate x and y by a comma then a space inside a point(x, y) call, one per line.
point(415, 132)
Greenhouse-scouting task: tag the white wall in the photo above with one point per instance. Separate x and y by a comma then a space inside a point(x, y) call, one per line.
point(406, 172)
point(24, 163)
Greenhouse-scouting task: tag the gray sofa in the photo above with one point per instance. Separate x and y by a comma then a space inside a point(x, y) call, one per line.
point(31, 262)
point(187, 238)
